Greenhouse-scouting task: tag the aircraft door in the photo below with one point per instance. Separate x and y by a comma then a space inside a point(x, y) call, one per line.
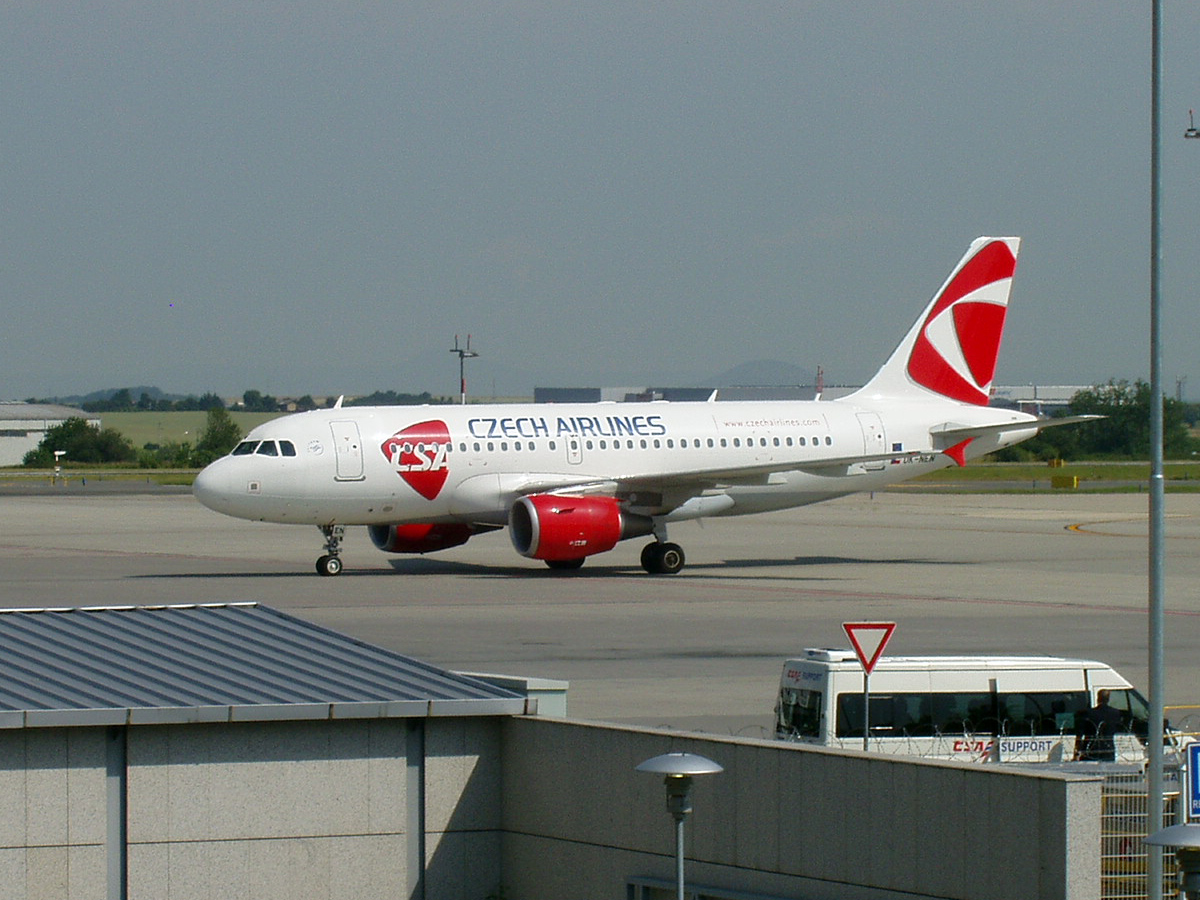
point(347, 450)
point(874, 440)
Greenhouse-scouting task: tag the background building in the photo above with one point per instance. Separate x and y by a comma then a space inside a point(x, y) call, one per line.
point(23, 425)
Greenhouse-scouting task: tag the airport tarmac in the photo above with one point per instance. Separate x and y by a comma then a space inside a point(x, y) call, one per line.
point(1058, 573)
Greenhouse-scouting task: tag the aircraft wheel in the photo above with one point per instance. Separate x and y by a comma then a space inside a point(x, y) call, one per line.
point(662, 558)
point(562, 565)
point(329, 565)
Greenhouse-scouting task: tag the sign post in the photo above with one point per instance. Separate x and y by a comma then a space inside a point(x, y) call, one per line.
point(868, 640)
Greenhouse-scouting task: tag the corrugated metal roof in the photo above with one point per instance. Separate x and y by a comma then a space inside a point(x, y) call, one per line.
point(213, 662)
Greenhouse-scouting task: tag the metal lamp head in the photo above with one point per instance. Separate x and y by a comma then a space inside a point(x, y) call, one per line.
point(1186, 841)
point(678, 768)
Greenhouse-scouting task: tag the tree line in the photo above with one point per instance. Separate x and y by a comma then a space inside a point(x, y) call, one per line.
point(1123, 433)
point(85, 443)
point(252, 401)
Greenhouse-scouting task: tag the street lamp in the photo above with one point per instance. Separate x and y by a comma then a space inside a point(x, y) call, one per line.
point(1186, 841)
point(678, 768)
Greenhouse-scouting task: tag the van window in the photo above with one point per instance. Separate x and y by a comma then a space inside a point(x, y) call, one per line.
point(1134, 709)
point(921, 714)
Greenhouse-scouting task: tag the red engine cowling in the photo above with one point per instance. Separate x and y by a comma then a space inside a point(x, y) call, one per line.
point(419, 537)
point(553, 527)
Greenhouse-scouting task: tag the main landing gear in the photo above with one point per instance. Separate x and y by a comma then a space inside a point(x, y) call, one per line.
point(658, 558)
point(331, 563)
point(662, 558)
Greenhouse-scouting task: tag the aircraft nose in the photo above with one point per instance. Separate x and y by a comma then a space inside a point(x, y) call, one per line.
point(212, 487)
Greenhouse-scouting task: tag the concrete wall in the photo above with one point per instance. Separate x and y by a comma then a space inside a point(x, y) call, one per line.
point(267, 810)
point(355, 809)
point(788, 821)
point(522, 807)
point(52, 814)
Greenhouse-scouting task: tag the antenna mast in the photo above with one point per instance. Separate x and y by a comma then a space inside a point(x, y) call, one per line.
point(464, 353)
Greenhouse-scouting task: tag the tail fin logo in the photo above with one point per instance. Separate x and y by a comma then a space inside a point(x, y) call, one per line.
point(955, 351)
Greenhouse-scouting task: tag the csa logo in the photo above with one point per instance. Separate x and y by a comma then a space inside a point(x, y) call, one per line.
point(955, 353)
point(419, 455)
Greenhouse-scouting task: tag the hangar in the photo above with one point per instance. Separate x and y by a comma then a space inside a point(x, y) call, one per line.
point(23, 425)
point(229, 750)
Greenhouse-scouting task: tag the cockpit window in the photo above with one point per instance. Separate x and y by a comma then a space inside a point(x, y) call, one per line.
point(267, 448)
point(287, 448)
point(245, 448)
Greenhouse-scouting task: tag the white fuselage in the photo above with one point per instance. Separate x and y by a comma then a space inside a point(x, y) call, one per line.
point(392, 465)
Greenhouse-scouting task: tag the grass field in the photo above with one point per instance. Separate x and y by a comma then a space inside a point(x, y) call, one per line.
point(180, 427)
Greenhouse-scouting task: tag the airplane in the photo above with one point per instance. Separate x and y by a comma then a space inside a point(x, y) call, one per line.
point(573, 480)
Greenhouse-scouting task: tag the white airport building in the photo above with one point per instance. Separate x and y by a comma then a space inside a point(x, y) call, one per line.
point(23, 425)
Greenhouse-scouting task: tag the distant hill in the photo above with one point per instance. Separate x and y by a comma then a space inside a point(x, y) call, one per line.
point(108, 393)
point(764, 372)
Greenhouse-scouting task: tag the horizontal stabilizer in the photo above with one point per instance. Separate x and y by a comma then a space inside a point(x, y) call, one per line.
point(953, 432)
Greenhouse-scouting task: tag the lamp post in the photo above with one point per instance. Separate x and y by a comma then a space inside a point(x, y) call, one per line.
point(1186, 841)
point(678, 768)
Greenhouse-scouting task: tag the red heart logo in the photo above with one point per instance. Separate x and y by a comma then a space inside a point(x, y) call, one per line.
point(419, 453)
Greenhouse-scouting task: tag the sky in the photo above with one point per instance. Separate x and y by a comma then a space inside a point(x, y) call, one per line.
point(315, 198)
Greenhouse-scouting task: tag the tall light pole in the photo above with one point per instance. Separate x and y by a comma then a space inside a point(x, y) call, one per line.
point(678, 768)
point(1154, 772)
point(464, 353)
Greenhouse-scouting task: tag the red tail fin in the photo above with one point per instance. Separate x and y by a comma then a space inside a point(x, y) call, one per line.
point(952, 349)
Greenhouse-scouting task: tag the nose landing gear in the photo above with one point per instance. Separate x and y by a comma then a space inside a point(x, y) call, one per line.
point(331, 563)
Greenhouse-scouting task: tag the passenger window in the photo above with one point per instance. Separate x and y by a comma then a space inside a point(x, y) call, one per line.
point(828, 441)
point(710, 442)
point(287, 448)
point(267, 448)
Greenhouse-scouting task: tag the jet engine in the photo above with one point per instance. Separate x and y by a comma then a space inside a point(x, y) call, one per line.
point(557, 528)
point(419, 537)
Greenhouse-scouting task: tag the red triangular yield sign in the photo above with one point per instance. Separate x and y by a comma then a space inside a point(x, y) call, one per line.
point(869, 639)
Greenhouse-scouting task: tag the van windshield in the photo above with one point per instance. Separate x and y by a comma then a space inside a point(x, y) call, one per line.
point(798, 713)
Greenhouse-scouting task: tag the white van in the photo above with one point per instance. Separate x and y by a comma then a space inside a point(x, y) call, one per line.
point(982, 708)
